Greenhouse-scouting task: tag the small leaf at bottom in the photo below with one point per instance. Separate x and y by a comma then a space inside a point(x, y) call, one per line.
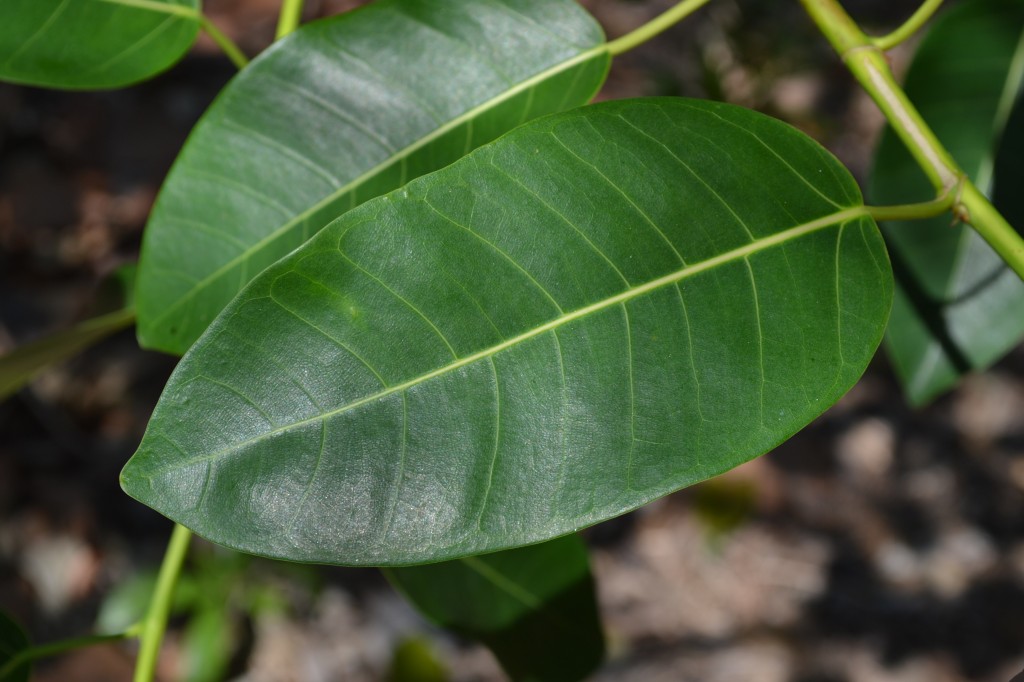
point(533, 607)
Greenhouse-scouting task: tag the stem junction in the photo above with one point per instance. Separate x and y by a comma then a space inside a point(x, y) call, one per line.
point(868, 65)
point(909, 27)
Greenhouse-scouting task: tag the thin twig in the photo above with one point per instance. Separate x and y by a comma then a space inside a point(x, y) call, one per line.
point(226, 44)
point(909, 27)
point(291, 15)
point(868, 65)
point(655, 26)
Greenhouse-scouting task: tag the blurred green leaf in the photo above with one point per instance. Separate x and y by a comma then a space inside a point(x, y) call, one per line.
point(126, 604)
point(341, 111)
point(414, 661)
point(958, 307)
point(122, 282)
point(534, 607)
point(90, 44)
point(19, 366)
point(209, 642)
point(722, 505)
point(13, 641)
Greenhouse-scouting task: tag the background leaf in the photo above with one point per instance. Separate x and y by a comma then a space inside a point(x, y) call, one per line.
point(13, 641)
point(957, 307)
point(595, 310)
point(414, 661)
point(73, 44)
point(116, 292)
point(208, 644)
point(19, 366)
point(534, 607)
point(339, 112)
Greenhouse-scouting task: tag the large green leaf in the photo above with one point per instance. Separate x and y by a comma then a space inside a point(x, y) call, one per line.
point(957, 306)
point(534, 607)
point(339, 112)
point(93, 43)
point(597, 309)
point(13, 641)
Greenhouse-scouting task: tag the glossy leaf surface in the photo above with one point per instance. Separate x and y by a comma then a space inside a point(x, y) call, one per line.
point(957, 307)
point(533, 607)
point(12, 642)
point(597, 309)
point(92, 44)
point(339, 112)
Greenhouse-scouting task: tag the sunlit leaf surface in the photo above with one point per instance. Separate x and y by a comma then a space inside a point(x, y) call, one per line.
point(339, 112)
point(597, 309)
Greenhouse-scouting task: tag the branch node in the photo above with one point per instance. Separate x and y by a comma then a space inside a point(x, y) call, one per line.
point(961, 214)
point(861, 48)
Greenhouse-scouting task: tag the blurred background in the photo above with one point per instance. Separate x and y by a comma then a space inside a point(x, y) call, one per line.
point(881, 544)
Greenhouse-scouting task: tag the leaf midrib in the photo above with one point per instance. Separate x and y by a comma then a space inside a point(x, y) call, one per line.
point(756, 246)
point(502, 582)
point(401, 154)
point(158, 7)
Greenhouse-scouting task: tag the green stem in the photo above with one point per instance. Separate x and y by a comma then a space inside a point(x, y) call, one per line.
point(910, 27)
point(870, 68)
point(155, 623)
point(291, 15)
point(226, 44)
point(655, 26)
point(990, 224)
point(54, 648)
point(919, 211)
